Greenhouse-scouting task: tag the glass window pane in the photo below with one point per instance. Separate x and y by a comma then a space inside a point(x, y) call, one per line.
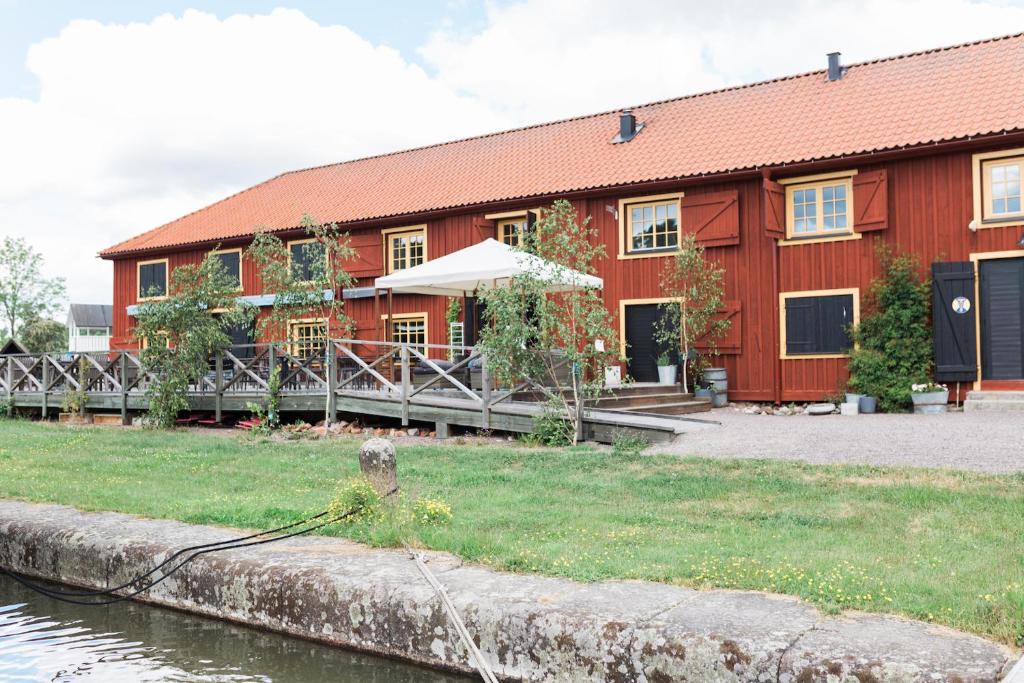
point(1013, 205)
point(829, 222)
point(841, 220)
point(999, 206)
point(637, 215)
point(826, 193)
point(840, 191)
point(998, 173)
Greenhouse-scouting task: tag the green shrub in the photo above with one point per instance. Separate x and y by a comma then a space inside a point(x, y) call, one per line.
point(430, 511)
point(626, 442)
point(356, 495)
point(894, 338)
point(6, 408)
point(551, 429)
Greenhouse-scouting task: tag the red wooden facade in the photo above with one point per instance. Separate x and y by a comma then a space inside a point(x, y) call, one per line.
point(925, 209)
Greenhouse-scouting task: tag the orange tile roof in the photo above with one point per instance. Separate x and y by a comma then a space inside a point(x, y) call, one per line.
point(932, 96)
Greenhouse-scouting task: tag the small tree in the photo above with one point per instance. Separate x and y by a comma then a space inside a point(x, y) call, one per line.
point(40, 335)
point(299, 291)
point(562, 340)
point(24, 293)
point(695, 286)
point(182, 332)
point(893, 341)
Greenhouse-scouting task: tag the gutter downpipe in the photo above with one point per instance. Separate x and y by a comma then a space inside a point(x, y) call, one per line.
point(766, 174)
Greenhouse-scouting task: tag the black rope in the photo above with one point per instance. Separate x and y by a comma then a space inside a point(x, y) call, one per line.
point(138, 579)
point(200, 550)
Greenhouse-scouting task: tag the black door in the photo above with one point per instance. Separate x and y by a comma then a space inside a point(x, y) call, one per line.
point(641, 349)
point(1002, 318)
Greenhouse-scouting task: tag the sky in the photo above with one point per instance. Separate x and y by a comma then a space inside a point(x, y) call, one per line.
point(118, 116)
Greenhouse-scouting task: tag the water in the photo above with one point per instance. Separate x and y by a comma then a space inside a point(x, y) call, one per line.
point(45, 640)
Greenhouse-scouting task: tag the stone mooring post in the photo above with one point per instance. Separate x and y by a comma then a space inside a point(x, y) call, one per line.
point(378, 464)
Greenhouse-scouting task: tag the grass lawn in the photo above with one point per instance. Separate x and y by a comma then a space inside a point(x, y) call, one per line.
point(947, 547)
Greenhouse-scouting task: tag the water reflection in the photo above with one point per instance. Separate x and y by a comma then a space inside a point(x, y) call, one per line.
point(45, 640)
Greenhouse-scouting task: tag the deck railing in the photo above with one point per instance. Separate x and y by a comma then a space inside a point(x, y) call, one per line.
point(408, 373)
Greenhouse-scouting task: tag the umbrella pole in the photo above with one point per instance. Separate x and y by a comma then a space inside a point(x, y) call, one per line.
point(389, 331)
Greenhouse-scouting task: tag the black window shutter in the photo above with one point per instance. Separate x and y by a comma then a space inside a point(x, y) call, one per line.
point(818, 324)
point(836, 317)
point(801, 325)
point(955, 334)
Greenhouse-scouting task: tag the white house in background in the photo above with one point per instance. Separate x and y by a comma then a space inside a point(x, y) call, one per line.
point(89, 327)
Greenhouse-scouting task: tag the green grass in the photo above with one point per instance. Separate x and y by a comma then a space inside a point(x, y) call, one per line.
point(942, 546)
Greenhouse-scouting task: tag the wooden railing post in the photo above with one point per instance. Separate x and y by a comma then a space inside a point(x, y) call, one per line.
point(46, 383)
point(10, 381)
point(405, 385)
point(332, 383)
point(485, 380)
point(123, 367)
point(218, 385)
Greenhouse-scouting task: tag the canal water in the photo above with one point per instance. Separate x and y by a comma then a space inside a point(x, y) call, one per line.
point(45, 640)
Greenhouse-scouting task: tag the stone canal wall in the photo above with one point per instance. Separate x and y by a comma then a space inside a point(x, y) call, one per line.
point(529, 628)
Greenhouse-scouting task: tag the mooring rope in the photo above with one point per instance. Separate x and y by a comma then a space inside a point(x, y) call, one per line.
point(460, 626)
point(206, 548)
point(138, 579)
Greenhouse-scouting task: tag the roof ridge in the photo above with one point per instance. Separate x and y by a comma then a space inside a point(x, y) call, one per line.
point(678, 98)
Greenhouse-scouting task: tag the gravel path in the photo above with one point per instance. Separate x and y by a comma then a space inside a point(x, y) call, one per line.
point(984, 442)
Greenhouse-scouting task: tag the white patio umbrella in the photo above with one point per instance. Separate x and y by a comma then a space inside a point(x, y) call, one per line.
point(486, 264)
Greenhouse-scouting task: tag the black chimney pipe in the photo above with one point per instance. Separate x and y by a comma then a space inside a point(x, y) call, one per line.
point(835, 69)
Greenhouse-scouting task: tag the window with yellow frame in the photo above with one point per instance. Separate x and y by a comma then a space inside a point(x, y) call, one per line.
point(1001, 193)
point(409, 330)
point(652, 226)
point(307, 337)
point(406, 248)
point(819, 209)
point(511, 231)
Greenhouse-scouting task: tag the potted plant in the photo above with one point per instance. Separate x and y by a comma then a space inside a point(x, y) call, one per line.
point(666, 370)
point(929, 397)
point(704, 391)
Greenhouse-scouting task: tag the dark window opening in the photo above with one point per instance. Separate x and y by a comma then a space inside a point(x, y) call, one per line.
point(152, 280)
point(818, 325)
point(232, 263)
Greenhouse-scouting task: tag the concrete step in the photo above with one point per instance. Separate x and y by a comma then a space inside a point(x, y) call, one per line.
point(993, 406)
point(995, 396)
point(697, 405)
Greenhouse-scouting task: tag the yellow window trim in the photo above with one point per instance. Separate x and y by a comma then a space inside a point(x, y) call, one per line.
point(238, 250)
point(783, 296)
point(144, 342)
point(821, 233)
point(623, 303)
point(138, 279)
point(842, 237)
point(980, 184)
point(391, 233)
point(293, 323)
point(396, 317)
point(975, 258)
point(510, 214)
point(625, 254)
point(803, 179)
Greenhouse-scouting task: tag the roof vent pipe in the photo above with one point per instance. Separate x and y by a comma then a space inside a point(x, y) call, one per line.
point(628, 126)
point(835, 69)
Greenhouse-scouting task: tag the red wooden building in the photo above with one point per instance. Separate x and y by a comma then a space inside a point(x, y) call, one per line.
point(788, 183)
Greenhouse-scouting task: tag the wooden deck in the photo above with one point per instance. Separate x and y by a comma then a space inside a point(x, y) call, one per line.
point(347, 377)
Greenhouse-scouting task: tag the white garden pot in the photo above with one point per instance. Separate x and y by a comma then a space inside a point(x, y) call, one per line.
point(932, 402)
point(667, 374)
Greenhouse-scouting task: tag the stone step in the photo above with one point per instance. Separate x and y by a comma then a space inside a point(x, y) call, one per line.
point(697, 405)
point(995, 396)
point(1001, 406)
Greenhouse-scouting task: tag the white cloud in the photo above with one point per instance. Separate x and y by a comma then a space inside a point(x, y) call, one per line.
point(138, 124)
point(556, 58)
